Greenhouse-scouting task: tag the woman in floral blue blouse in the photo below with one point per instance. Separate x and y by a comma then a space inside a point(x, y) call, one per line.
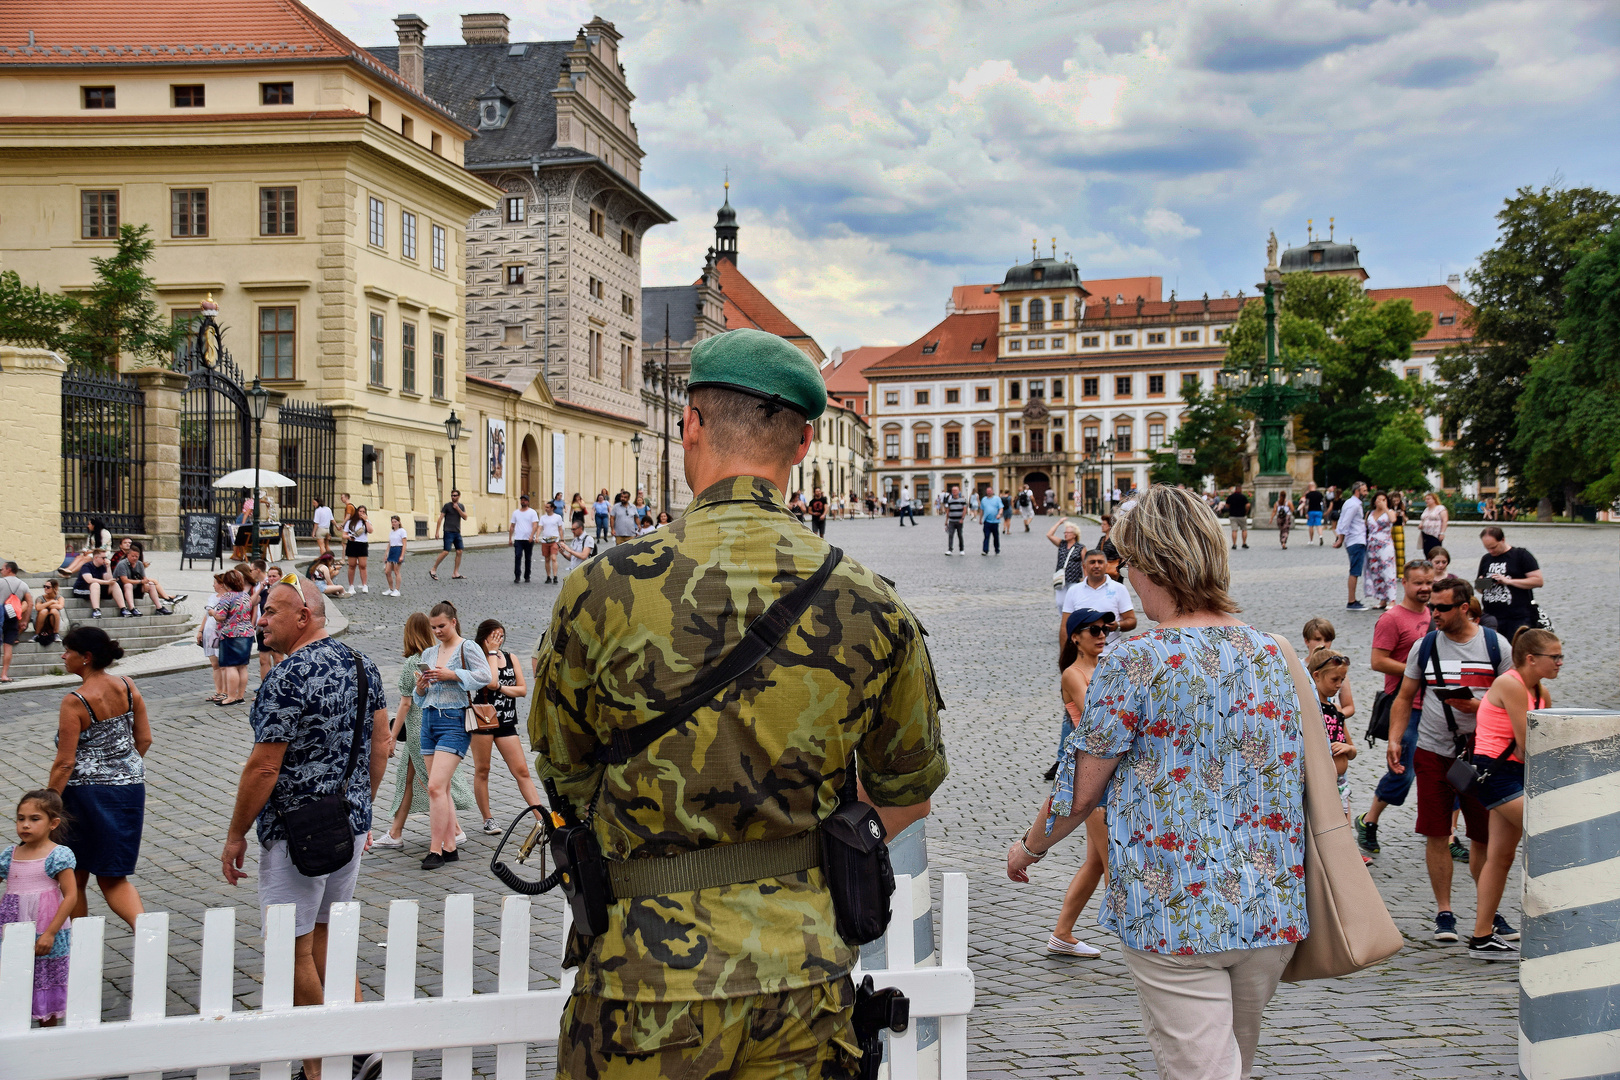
point(1192, 731)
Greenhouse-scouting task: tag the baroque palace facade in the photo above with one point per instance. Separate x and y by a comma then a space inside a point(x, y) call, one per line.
point(1044, 380)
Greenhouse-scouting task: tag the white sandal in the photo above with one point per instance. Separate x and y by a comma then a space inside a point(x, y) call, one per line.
point(1055, 944)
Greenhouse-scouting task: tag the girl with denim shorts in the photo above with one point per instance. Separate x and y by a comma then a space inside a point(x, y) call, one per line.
point(452, 671)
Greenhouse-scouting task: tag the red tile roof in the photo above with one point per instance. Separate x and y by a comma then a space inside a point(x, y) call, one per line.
point(848, 377)
point(974, 298)
point(117, 32)
point(953, 342)
point(1439, 301)
point(1222, 308)
point(746, 306)
point(1148, 288)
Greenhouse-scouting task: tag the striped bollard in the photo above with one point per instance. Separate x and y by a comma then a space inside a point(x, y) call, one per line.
point(1569, 977)
point(908, 853)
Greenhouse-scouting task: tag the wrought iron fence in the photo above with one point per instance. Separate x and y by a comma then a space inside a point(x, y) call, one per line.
point(215, 431)
point(308, 456)
point(103, 452)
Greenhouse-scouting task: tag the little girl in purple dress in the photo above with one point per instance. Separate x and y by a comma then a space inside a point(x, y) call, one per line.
point(40, 889)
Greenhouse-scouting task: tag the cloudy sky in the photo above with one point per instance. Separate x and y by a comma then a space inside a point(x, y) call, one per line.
point(881, 153)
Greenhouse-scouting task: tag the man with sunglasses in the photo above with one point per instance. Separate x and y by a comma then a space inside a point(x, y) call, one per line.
point(1097, 590)
point(1454, 666)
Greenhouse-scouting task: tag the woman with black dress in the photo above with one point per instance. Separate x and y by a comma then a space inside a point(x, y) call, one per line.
point(506, 686)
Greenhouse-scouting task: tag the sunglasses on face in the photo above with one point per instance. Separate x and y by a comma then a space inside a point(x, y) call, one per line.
point(1099, 629)
point(1445, 607)
point(680, 425)
point(1557, 658)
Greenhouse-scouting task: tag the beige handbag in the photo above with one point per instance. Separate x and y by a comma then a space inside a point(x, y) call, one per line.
point(1350, 926)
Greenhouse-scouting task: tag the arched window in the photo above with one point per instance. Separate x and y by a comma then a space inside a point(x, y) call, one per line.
point(1037, 314)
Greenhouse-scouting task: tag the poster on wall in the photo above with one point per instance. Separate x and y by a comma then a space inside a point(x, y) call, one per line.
point(496, 458)
point(559, 443)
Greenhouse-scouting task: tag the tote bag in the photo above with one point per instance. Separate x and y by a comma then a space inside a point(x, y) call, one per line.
point(1350, 926)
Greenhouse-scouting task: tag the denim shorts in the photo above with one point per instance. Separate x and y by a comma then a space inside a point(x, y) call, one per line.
point(452, 541)
point(395, 554)
point(446, 730)
point(1358, 559)
point(1503, 785)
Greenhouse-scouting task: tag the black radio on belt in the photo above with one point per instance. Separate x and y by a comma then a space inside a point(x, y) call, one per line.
point(581, 870)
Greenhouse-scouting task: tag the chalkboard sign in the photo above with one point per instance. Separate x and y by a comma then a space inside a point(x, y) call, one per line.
point(200, 537)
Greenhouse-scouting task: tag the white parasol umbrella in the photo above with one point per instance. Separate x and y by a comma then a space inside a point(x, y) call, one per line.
point(243, 478)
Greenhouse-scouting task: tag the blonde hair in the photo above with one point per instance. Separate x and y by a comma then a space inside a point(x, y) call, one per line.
point(1175, 539)
point(418, 634)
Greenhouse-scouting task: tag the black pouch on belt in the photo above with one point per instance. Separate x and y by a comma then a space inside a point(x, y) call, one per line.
point(855, 860)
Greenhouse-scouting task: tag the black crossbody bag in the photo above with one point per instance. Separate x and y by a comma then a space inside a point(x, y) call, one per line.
point(1462, 774)
point(319, 839)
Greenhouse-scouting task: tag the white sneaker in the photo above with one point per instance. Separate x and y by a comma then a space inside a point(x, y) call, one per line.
point(365, 588)
point(1057, 945)
point(349, 591)
point(461, 837)
point(387, 841)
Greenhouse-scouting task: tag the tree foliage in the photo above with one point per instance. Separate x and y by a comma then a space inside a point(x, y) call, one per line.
point(1400, 457)
point(119, 314)
point(1330, 320)
point(1518, 298)
point(1568, 423)
point(1213, 427)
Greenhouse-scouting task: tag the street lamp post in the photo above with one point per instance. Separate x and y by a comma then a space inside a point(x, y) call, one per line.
point(452, 431)
point(635, 452)
point(1105, 494)
point(1272, 394)
point(258, 397)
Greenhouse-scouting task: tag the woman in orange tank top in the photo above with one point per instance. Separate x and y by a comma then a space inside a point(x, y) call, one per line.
point(1088, 630)
point(1499, 736)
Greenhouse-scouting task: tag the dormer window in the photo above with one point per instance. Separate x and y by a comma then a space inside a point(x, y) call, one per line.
point(494, 109)
point(929, 348)
point(1040, 273)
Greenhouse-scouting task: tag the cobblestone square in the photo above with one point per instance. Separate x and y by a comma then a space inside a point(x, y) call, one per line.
point(1429, 1012)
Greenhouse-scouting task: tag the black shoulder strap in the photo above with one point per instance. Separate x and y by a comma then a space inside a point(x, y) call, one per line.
point(1440, 680)
point(364, 686)
point(763, 635)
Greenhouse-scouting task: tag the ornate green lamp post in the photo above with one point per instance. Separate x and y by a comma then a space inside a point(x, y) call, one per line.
point(1273, 392)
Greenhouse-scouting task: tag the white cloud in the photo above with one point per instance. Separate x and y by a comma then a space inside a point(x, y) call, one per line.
point(882, 153)
point(1168, 224)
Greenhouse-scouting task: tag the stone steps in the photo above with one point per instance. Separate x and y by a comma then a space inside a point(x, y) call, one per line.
point(135, 635)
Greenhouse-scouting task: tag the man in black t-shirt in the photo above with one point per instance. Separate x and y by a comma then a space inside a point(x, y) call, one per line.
point(1508, 577)
point(818, 513)
point(1314, 505)
point(451, 515)
point(1237, 512)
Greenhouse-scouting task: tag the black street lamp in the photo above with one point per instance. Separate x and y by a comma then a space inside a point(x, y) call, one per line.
point(452, 431)
point(258, 398)
point(635, 452)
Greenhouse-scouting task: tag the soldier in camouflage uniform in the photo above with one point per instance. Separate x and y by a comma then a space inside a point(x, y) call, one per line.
point(747, 979)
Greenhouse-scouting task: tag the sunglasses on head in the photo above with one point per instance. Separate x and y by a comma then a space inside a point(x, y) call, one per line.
point(1446, 607)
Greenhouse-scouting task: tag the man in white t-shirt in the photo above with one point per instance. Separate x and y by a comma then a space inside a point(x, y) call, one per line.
point(551, 524)
point(322, 532)
point(1352, 536)
point(579, 547)
point(520, 538)
point(1098, 590)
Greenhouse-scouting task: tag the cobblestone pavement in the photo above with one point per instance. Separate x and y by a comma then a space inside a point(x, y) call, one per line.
point(1429, 1012)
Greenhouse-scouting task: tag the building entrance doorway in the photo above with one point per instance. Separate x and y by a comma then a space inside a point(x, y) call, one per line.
point(1038, 482)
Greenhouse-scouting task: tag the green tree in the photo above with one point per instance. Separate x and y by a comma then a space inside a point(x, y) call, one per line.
point(1400, 457)
point(1517, 293)
point(1213, 428)
point(119, 314)
point(1568, 423)
point(1330, 320)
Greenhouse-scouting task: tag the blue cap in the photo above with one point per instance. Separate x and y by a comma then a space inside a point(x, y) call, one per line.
point(1085, 616)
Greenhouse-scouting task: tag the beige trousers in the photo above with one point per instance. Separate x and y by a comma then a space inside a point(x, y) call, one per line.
point(1203, 1011)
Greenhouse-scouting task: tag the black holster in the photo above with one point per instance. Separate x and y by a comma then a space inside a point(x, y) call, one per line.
point(855, 861)
point(875, 1011)
point(582, 873)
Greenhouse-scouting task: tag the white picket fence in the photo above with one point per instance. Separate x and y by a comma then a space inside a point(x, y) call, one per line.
point(217, 1036)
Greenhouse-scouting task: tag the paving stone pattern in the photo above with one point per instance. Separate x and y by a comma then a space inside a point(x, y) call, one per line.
point(1430, 1012)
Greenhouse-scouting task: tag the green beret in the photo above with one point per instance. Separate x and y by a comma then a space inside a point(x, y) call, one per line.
point(761, 364)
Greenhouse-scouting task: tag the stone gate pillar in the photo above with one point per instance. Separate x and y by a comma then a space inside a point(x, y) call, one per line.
point(31, 432)
point(164, 391)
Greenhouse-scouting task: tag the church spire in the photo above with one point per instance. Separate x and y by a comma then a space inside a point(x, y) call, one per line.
point(725, 227)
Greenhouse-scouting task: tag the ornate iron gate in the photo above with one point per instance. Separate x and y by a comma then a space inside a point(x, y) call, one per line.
point(215, 431)
point(103, 452)
point(309, 456)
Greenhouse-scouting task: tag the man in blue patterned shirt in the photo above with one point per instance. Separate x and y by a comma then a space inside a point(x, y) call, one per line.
point(304, 723)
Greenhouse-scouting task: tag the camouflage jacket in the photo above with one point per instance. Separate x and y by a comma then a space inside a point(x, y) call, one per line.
point(632, 630)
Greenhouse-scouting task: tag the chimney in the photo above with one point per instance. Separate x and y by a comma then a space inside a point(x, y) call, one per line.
point(488, 28)
point(1454, 281)
point(412, 33)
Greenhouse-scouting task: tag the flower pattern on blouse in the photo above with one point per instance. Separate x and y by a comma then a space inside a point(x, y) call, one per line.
point(1206, 810)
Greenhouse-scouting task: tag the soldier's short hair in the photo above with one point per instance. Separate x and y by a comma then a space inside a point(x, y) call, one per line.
point(736, 425)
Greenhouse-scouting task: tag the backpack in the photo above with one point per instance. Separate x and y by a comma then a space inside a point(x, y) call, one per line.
point(1023, 498)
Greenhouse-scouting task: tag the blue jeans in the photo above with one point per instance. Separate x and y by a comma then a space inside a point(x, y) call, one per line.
point(601, 526)
point(907, 512)
point(992, 531)
point(1392, 789)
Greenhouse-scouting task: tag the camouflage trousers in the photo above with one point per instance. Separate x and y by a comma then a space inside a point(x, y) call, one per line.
point(806, 1034)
